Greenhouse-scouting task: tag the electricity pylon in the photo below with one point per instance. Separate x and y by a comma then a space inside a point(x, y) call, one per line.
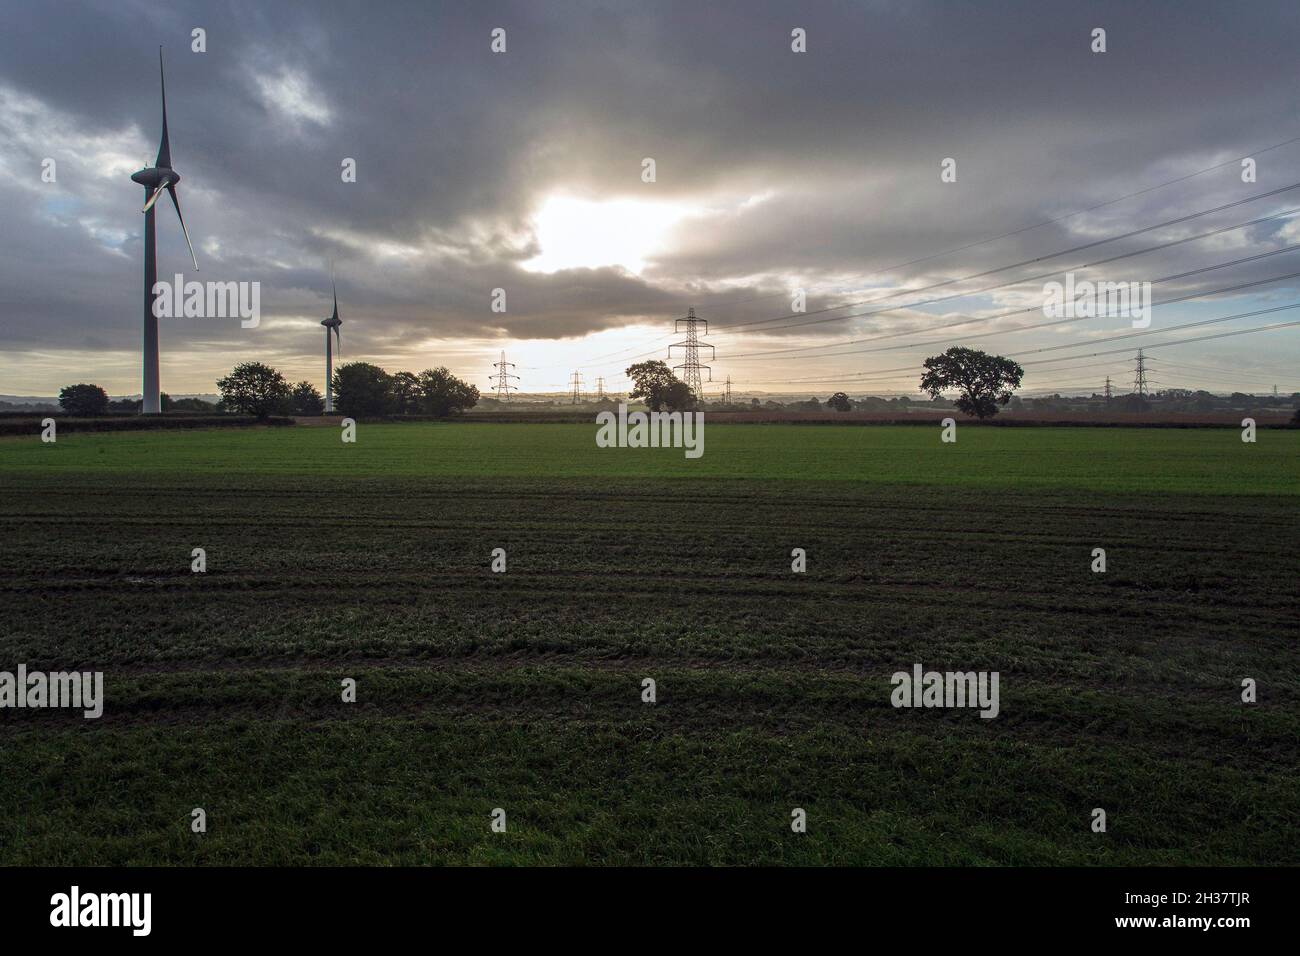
point(726, 391)
point(600, 389)
point(503, 388)
point(576, 382)
point(691, 365)
point(1140, 375)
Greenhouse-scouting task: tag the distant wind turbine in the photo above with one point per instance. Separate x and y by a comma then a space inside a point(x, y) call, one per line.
point(331, 324)
point(155, 179)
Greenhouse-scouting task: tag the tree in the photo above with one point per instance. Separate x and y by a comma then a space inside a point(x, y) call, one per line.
point(362, 389)
point(254, 389)
point(190, 405)
point(306, 400)
point(83, 399)
point(984, 381)
point(406, 393)
point(656, 384)
point(443, 394)
point(840, 402)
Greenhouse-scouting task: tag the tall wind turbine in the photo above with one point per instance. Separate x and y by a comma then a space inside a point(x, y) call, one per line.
point(331, 325)
point(155, 179)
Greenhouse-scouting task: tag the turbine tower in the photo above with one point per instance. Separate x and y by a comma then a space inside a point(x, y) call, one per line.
point(155, 179)
point(331, 325)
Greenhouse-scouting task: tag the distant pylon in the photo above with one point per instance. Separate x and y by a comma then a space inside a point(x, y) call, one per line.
point(726, 391)
point(503, 388)
point(576, 382)
point(1107, 388)
point(691, 365)
point(1140, 375)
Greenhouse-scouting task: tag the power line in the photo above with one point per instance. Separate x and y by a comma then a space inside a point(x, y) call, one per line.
point(1047, 222)
point(1024, 262)
point(878, 373)
point(1005, 235)
point(1052, 322)
point(1043, 275)
point(1011, 282)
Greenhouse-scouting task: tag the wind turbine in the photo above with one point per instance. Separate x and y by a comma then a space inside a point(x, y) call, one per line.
point(155, 179)
point(331, 325)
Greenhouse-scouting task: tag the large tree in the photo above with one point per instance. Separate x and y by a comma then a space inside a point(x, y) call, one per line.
point(983, 381)
point(254, 389)
point(363, 389)
point(83, 399)
point(305, 399)
point(407, 395)
point(840, 402)
point(443, 394)
point(655, 383)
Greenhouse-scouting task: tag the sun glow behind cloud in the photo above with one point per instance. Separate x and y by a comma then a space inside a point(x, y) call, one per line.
point(585, 234)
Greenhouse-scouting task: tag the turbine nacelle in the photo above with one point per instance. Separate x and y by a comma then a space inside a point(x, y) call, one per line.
point(156, 177)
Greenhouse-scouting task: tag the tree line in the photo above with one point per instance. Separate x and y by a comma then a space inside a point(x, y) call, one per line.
point(360, 390)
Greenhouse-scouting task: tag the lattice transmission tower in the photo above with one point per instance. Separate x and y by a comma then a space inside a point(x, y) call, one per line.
point(502, 378)
point(691, 364)
point(1140, 375)
point(600, 388)
point(726, 391)
point(576, 383)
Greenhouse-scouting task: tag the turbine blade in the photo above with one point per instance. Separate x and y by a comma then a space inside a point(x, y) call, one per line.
point(171, 189)
point(152, 199)
point(164, 145)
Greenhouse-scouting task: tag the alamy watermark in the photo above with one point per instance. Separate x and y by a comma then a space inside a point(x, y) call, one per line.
point(208, 300)
point(1098, 300)
point(651, 430)
point(946, 689)
point(75, 908)
point(37, 689)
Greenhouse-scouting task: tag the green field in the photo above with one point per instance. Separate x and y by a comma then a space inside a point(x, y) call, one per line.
point(1095, 459)
point(522, 690)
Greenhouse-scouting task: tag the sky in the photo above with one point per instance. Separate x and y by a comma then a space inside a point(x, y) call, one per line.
point(774, 171)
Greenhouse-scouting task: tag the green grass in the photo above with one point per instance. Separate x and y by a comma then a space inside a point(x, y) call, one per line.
point(1213, 461)
point(522, 690)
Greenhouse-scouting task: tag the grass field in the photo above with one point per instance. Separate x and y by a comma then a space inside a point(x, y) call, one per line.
point(522, 690)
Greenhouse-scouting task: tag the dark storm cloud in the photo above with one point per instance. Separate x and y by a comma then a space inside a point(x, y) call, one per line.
point(836, 151)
